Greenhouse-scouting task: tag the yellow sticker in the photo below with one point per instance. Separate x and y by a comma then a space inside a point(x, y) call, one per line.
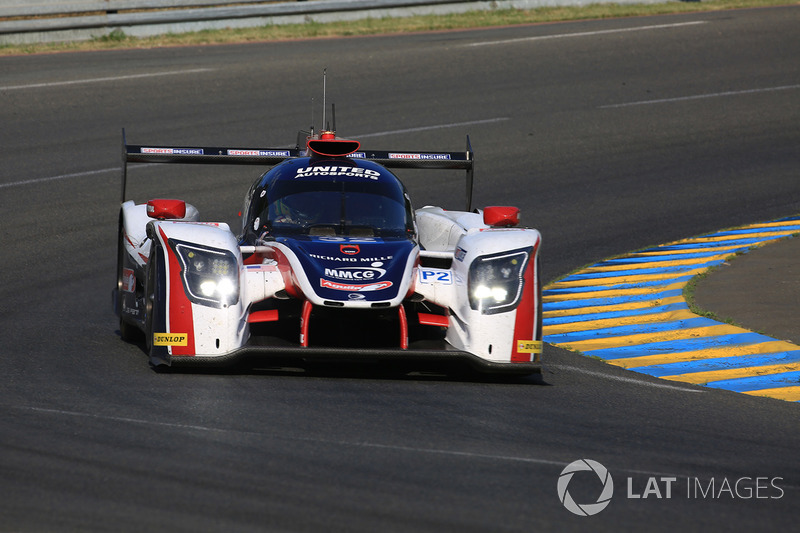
point(529, 346)
point(170, 339)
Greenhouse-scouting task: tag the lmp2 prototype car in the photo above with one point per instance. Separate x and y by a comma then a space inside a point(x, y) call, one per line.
point(332, 264)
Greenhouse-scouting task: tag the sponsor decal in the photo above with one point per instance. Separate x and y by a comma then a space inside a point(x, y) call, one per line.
point(420, 156)
point(170, 339)
point(460, 254)
point(380, 259)
point(359, 155)
point(354, 172)
point(355, 296)
point(347, 239)
point(529, 346)
point(379, 286)
point(356, 273)
point(128, 280)
point(131, 311)
point(263, 267)
point(428, 275)
point(350, 249)
point(264, 153)
point(173, 151)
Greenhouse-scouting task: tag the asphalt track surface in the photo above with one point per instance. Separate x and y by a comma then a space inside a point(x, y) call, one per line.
point(610, 135)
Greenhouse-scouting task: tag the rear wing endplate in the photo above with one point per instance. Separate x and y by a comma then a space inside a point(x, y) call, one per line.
point(273, 156)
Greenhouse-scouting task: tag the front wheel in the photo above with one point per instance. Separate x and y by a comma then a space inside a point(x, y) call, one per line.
point(155, 306)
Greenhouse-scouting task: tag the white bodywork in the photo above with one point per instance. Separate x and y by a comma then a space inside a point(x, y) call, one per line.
point(465, 237)
point(461, 237)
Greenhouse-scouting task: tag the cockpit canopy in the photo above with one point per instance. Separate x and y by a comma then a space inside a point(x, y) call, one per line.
point(336, 197)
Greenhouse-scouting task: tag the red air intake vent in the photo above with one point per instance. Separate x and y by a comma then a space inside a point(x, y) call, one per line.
point(328, 145)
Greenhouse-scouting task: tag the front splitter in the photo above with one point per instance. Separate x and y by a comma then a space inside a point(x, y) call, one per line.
point(297, 354)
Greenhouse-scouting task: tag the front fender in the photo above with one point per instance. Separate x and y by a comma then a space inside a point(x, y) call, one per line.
point(197, 323)
point(509, 333)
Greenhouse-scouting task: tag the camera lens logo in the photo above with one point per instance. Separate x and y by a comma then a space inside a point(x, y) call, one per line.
point(586, 509)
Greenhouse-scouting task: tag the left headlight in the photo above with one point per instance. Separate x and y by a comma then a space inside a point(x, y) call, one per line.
point(210, 276)
point(496, 281)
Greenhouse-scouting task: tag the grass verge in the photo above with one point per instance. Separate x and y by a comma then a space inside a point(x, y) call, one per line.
point(475, 19)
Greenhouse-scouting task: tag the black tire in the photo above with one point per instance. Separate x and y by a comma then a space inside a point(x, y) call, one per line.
point(128, 332)
point(539, 322)
point(155, 297)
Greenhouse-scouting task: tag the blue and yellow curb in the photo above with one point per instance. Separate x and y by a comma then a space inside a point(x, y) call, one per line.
point(630, 312)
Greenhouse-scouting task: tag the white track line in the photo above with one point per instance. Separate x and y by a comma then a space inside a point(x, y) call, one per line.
point(392, 447)
point(192, 427)
point(362, 444)
point(701, 96)
point(436, 127)
point(68, 176)
point(371, 445)
point(102, 80)
point(587, 33)
point(61, 177)
point(625, 380)
point(376, 134)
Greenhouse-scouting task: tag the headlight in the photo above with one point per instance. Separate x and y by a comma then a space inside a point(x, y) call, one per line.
point(210, 276)
point(496, 281)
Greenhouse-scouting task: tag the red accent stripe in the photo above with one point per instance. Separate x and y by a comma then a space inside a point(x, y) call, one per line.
point(304, 320)
point(285, 268)
point(181, 319)
point(401, 313)
point(525, 322)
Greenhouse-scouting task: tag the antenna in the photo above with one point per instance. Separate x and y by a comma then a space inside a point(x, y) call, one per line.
point(312, 117)
point(324, 94)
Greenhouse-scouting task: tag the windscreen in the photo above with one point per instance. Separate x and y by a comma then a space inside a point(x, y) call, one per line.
point(357, 208)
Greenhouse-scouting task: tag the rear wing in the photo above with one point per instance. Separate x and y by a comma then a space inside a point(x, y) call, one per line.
point(272, 156)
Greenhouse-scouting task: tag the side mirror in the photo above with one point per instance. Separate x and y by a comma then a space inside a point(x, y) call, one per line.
point(501, 216)
point(162, 209)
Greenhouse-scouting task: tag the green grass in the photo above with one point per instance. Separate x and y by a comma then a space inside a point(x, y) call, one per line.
point(476, 19)
point(689, 295)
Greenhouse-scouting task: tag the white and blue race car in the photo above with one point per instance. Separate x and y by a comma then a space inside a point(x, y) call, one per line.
point(332, 263)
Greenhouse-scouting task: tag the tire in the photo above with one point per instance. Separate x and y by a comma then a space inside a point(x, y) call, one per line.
point(128, 332)
point(155, 297)
point(539, 321)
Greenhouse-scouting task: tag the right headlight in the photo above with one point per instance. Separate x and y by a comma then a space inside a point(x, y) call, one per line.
point(496, 281)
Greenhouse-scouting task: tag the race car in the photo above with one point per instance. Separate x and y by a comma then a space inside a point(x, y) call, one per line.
point(331, 264)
